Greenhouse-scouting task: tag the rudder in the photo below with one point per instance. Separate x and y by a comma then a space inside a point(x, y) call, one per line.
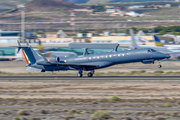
point(158, 42)
point(30, 55)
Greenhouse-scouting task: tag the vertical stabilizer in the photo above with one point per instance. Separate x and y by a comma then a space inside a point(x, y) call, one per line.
point(134, 44)
point(30, 55)
point(158, 42)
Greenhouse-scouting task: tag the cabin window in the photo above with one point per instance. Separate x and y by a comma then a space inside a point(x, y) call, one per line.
point(64, 60)
point(122, 54)
point(94, 57)
point(114, 55)
point(119, 54)
point(98, 57)
point(90, 58)
point(110, 56)
point(106, 56)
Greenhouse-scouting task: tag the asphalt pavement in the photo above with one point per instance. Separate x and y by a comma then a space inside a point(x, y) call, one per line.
point(91, 108)
point(95, 78)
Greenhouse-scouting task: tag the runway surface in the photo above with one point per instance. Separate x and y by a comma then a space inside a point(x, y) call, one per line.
point(90, 108)
point(96, 78)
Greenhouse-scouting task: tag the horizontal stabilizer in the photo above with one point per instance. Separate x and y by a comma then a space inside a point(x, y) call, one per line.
point(94, 45)
point(33, 69)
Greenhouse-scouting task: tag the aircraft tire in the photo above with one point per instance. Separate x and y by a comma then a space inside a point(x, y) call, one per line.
point(159, 66)
point(90, 74)
point(79, 75)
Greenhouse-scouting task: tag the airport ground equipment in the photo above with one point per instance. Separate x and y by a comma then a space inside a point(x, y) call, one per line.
point(88, 62)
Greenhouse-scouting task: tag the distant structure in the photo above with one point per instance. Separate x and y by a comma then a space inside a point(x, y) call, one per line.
point(72, 23)
point(141, 33)
point(62, 34)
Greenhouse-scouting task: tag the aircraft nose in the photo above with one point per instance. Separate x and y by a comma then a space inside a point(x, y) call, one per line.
point(168, 56)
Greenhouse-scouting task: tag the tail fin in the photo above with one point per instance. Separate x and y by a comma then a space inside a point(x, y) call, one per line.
point(30, 55)
point(158, 42)
point(134, 44)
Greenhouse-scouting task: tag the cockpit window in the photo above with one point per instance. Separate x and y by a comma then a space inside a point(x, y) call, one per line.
point(149, 50)
point(153, 50)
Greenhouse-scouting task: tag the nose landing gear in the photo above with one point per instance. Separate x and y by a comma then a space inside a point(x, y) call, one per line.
point(159, 66)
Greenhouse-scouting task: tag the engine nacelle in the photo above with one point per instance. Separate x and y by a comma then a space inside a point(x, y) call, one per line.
point(49, 59)
point(53, 59)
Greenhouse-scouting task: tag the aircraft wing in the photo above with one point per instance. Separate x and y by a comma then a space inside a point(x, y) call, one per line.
point(169, 53)
point(78, 65)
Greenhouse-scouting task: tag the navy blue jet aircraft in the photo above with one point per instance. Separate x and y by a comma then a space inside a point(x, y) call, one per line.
point(88, 62)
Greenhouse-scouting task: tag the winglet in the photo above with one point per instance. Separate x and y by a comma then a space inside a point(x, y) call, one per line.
point(115, 49)
point(27, 44)
point(134, 44)
point(20, 47)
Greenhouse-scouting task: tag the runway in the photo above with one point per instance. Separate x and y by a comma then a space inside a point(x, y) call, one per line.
point(95, 78)
point(91, 108)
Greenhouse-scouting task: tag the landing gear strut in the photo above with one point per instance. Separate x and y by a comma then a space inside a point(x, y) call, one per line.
point(80, 74)
point(90, 74)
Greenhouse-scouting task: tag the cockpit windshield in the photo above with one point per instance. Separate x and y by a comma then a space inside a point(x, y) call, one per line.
point(151, 50)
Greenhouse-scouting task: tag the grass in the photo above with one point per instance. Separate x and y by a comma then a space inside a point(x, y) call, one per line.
point(100, 115)
point(115, 98)
point(167, 104)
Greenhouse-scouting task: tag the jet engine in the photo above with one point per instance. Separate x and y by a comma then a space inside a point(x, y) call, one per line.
point(47, 60)
point(53, 59)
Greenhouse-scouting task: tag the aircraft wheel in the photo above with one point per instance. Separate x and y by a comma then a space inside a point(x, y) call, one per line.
point(90, 74)
point(159, 66)
point(79, 75)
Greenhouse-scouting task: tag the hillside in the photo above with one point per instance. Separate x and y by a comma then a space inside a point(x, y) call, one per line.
point(42, 10)
point(109, 1)
point(77, 1)
point(6, 5)
point(50, 5)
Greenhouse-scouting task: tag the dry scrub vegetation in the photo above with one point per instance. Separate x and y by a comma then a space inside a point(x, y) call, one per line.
point(89, 100)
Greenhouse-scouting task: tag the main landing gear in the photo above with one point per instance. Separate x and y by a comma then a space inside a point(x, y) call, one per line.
point(80, 74)
point(90, 74)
